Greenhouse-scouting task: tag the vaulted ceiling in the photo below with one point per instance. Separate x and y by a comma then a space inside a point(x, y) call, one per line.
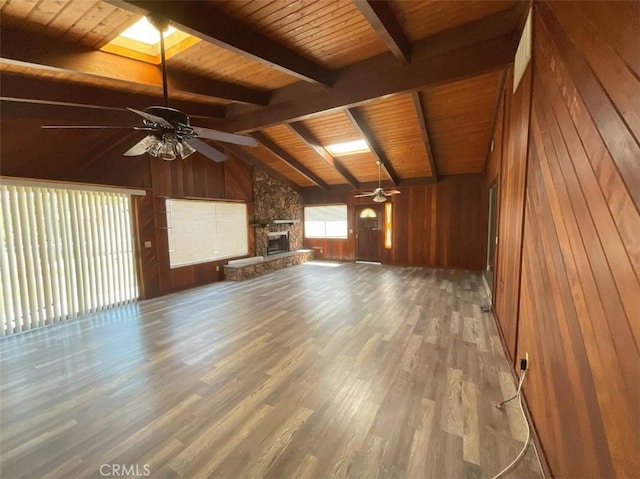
point(418, 80)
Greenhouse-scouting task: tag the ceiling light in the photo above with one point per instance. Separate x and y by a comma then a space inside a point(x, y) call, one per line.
point(143, 31)
point(348, 147)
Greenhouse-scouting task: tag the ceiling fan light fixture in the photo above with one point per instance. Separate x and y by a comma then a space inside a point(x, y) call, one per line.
point(185, 149)
point(379, 198)
point(154, 148)
point(168, 149)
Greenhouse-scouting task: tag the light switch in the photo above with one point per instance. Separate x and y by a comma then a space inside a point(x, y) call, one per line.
point(147, 244)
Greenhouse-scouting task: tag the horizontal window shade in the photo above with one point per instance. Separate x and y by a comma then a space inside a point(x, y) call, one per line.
point(203, 231)
point(325, 213)
point(325, 221)
point(64, 253)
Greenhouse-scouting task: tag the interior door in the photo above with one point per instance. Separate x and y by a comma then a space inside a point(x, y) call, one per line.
point(369, 233)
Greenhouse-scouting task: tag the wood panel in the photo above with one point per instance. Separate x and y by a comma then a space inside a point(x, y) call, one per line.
point(357, 371)
point(395, 126)
point(88, 22)
point(580, 294)
point(216, 62)
point(147, 258)
point(460, 116)
point(511, 206)
point(422, 19)
point(494, 168)
point(93, 156)
point(201, 178)
point(331, 32)
point(438, 225)
point(299, 150)
point(275, 163)
point(338, 128)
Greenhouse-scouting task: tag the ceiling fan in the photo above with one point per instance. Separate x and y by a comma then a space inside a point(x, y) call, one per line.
point(379, 194)
point(170, 133)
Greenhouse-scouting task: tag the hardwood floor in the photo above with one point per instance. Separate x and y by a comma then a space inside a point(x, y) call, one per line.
point(356, 371)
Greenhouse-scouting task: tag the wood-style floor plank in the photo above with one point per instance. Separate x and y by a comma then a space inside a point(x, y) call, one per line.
point(318, 371)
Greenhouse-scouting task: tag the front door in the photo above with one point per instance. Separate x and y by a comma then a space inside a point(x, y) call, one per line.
point(369, 236)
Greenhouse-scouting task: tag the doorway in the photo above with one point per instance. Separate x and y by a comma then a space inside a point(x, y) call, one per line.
point(369, 233)
point(492, 237)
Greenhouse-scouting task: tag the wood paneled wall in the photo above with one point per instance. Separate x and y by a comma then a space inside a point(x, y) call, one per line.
point(95, 156)
point(512, 193)
point(577, 309)
point(196, 177)
point(437, 225)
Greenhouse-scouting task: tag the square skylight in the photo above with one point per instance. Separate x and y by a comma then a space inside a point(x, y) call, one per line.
point(141, 41)
point(143, 31)
point(348, 147)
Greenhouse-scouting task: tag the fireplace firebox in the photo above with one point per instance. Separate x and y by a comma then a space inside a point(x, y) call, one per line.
point(277, 242)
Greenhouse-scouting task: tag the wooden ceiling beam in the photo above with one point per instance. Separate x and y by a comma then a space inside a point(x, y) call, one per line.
point(422, 121)
point(479, 47)
point(46, 91)
point(288, 159)
point(204, 21)
point(380, 16)
point(28, 48)
point(312, 142)
point(360, 124)
point(251, 160)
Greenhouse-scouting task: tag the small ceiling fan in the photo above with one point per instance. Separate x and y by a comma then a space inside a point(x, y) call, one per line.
point(170, 133)
point(379, 194)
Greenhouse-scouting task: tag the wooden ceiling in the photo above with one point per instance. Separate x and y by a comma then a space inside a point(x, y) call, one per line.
point(418, 80)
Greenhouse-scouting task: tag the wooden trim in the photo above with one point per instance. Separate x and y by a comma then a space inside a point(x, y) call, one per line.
point(215, 27)
point(26, 48)
point(361, 125)
point(310, 140)
point(288, 159)
point(422, 121)
point(251, 160)
point(494, 120)
point(381, 18)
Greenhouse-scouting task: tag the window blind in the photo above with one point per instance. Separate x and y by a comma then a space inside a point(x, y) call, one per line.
point(328, 221)
point(64, 253)
point(203, 231)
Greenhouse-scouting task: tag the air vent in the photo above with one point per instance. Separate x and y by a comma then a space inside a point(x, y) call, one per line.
point(523, 54)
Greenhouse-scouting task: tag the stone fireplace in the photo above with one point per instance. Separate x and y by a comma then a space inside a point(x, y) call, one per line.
point(277, 213)
point(277, 242)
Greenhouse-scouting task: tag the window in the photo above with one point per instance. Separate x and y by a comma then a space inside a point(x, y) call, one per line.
point(64, 252)
point(325, 221)
point(387, 225)
point(203, 231)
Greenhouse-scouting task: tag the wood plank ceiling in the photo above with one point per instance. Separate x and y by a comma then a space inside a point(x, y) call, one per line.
point(419, 79)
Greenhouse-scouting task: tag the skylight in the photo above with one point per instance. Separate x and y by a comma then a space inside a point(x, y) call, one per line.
point(143, 31)
point(348, 147)
point(141, 41)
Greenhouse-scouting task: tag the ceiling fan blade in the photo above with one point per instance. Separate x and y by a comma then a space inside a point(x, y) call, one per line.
point(224, 136)
point(392, 192)
point(85, 127)
point(364, 195)
point(156, 119)
point(139, 148)
point(206, 150)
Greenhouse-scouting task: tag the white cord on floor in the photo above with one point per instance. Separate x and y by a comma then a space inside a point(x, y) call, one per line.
point(526, 443)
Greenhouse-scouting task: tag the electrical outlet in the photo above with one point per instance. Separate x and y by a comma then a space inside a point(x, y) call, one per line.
point(217, 268)
point(524, 362)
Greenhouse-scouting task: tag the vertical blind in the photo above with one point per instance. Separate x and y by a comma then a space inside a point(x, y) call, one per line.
point(64, 253)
